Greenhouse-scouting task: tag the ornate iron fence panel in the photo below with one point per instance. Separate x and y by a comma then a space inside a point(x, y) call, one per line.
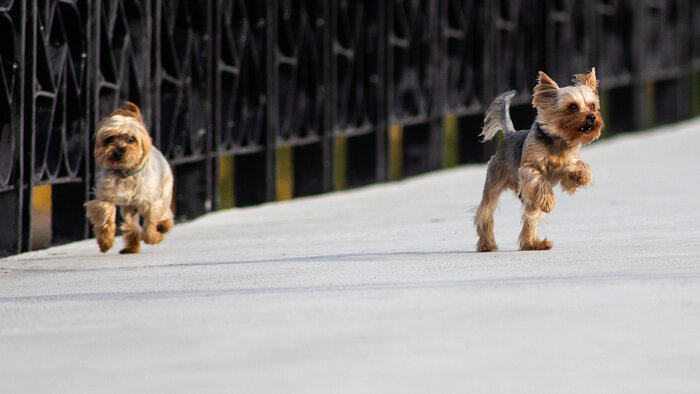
point(516, 42)
point(300, 70)
point(57, 134)
point(182, 97)
point(11, 92)
point(569, 38)
point(615, 51)
point(296, 97)
point(241, 76)
point(411, 66)
point(123, 57)
point(356, 68)
point(12, 73)
point(663, 38)
point(59, 87)
point(464, 53)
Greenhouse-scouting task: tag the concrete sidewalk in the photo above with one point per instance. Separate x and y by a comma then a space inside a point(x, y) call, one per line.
point(379, 290)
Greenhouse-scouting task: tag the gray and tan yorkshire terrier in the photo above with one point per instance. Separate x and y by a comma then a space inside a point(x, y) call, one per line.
point(134, 176)
point(532, 162)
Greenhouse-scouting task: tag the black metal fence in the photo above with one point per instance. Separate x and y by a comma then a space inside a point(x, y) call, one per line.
point(253, 101)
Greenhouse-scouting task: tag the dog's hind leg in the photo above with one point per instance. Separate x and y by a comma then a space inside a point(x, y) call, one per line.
point(165, 225)
point(151, 235)
point(132, 230)
point(494, 186)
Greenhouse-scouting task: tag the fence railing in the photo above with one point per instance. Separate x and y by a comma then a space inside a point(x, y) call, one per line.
point(253, 100)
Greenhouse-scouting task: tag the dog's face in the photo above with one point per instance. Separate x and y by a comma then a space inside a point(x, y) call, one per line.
point(121, 140)
point(571, 112)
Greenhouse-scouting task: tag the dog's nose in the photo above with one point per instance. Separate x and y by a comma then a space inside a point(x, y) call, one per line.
point(590, 118)
point(119, 153)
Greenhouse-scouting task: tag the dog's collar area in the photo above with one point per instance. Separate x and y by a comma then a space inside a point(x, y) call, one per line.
point(543, 134)
point(126, 174)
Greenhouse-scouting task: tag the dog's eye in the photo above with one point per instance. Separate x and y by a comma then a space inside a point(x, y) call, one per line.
point(573, 107)
point(592, 107)
point(131, 140)
point(109, 140)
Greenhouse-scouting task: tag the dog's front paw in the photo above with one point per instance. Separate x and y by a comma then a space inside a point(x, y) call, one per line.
point(576, 177)
point(580, 178)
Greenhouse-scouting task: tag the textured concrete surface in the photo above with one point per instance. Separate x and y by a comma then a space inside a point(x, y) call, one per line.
point(379, 290)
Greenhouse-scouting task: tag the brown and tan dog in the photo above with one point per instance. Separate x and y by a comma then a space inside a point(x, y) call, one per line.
point(134, 176)
point(532, 162)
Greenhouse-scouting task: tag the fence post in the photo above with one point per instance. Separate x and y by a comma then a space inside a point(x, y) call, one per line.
point(12, 130)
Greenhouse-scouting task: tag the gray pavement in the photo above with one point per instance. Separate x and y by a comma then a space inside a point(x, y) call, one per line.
point(379, 290)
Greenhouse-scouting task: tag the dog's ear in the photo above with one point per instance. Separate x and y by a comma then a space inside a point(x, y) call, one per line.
point(546, 91)
point(146, 144)
point(128, 109)
point(133, 108)
point(586, 80)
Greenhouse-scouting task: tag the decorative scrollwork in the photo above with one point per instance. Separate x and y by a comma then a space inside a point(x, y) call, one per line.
point(663, 42)
point(125, 54)
point(518, 50)
point(355, 46)
point(11, 65)
point(412, 52)
point(301, 28)
point(615, 36)
point(569, 39)
point(463, 31)
point(242, 76)
point(60, 92)
point(183, 79)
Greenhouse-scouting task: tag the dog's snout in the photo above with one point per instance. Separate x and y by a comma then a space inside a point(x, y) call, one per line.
point(590, 118)
point(119, 153)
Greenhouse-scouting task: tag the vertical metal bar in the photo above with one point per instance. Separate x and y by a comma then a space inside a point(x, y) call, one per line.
point(216, 102)
point(27, 182)
point(382, 111)
point(23, 97)
point(327, 136)
point(438, 97)
point(332, 69)
point(211, 151)
point(93, 86)
point(157, 73)
point(272, 98)
point(68, 215)
point(389, 87)
point(11, 200)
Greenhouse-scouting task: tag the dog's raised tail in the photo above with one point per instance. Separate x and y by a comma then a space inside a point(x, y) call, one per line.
point(498, 117)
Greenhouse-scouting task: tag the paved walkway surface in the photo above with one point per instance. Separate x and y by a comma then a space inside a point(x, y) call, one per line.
point(379, 290)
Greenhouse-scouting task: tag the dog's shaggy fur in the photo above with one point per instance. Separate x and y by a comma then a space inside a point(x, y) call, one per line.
point(134, 176)
point(531, 162)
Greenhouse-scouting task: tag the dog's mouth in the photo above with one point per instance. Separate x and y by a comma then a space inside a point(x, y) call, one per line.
point(585, 129)
point(115, 158)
